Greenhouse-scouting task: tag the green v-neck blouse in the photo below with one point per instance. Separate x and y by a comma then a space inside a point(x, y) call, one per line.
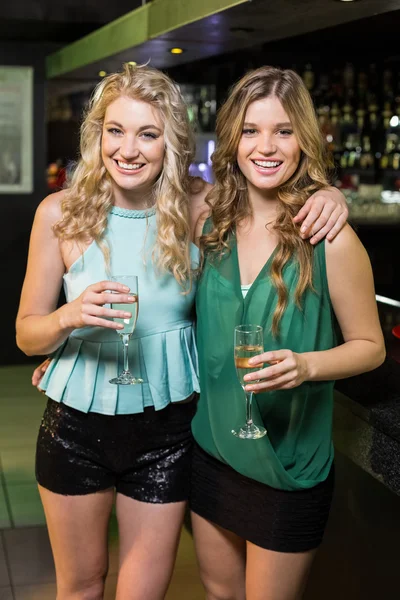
point(297, 452)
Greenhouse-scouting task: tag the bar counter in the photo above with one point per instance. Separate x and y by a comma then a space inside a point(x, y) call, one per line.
point(366, 422)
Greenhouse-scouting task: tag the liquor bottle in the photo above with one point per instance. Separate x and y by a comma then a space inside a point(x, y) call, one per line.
point(367, 158)
point(335, 118)
point(373, 80)
point(348, 76)
point(348, 127)
point(204, 106)
point(387, 114)
point(309, 77)
point(387, 85)
point(362, 86)
point(360, 120)
point(373, 125)
point(325, 125)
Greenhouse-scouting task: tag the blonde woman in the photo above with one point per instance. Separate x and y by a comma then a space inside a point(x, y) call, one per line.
point(260, 505)
point(130, 209)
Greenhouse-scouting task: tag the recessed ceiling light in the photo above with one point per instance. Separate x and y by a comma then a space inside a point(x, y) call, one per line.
point(176, 50)
point(102, 73)
point(346, 0)
point(132, 63)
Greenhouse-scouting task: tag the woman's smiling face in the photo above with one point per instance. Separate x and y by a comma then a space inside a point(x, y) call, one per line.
point(132, 146)
point(268, 152)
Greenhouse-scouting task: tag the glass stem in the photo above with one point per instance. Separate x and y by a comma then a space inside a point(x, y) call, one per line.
point(249, 398)
point(125, 342)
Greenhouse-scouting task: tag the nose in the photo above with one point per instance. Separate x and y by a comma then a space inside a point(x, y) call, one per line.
point(129, 147)
point(267, 144)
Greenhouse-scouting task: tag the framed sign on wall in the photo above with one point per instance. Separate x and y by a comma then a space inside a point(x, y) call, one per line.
point(16, 125)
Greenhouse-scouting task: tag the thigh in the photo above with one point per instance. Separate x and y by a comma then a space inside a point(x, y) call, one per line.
point(149, 537)
point(221, 555)
point(70, 457)
point(78, 527)
point(276, 575)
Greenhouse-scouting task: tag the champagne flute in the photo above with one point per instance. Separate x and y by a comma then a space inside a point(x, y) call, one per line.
point(126, 377)
point(249, 342)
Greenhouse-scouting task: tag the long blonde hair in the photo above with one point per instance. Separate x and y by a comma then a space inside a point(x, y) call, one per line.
point(89, 197)
point(229, 201)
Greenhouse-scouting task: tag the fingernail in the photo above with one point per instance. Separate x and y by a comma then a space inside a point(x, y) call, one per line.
point(127, 315)
point(125, 287)
point(303, 229)
point(131, 298)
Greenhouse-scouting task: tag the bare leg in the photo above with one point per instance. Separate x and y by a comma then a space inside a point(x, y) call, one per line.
point(149, 536)
point(276, 575)
point(78, 534)
point(221, 555)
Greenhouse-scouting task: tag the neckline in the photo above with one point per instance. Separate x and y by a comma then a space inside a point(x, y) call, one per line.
point(260, 275)
point(130, 213)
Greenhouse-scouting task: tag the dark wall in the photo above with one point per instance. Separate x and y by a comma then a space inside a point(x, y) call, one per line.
point(17, 210)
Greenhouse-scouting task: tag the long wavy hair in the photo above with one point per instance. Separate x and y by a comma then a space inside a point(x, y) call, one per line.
point(89, 195)
point(229, 200)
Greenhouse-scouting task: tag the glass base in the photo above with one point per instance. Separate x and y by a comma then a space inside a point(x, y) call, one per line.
point(250, 432)
point(126, 378)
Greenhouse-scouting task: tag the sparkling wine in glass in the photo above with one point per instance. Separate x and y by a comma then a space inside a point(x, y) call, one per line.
point(249, 342)
point(126, 377)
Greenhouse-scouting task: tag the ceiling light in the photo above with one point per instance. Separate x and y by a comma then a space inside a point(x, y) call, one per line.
point(102, 73)
point(347, 0)
point(176, 50)
point(132, 63)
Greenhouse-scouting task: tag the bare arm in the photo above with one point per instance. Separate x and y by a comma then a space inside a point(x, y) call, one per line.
point(351, 287)
point(352, 293)
point(41, 328)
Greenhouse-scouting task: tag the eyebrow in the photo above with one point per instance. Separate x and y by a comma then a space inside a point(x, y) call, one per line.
point(140, 128)
point(278, 125)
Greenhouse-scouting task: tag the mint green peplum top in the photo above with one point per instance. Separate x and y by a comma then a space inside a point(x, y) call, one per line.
point(162, 349)
point(297, 451)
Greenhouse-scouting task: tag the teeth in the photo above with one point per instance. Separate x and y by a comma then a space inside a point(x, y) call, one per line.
point(129, 166)
point(267, 163)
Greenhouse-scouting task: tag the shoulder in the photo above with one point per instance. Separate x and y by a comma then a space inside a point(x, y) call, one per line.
point(346, 258)
point(346, 244)
point(49, 210)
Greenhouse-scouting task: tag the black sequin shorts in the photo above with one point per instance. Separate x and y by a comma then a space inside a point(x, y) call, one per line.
point(273, 519)
point(146, 456)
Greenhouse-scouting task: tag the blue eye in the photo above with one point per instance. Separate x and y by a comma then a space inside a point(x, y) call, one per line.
point(114, 130)
point(149, 136)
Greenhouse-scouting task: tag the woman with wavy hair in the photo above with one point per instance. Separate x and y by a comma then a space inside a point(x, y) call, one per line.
point(130, 208)
point(259, 506)
point(126, 211)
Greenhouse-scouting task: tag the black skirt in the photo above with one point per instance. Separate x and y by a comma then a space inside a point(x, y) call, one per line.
point(270, 518)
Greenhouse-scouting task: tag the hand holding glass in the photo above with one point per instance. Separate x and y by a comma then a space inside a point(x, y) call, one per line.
point(126, 378)
point(249, 342)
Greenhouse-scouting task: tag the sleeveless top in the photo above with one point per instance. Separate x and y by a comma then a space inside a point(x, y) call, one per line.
point(297, 451)
point(162, 349)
